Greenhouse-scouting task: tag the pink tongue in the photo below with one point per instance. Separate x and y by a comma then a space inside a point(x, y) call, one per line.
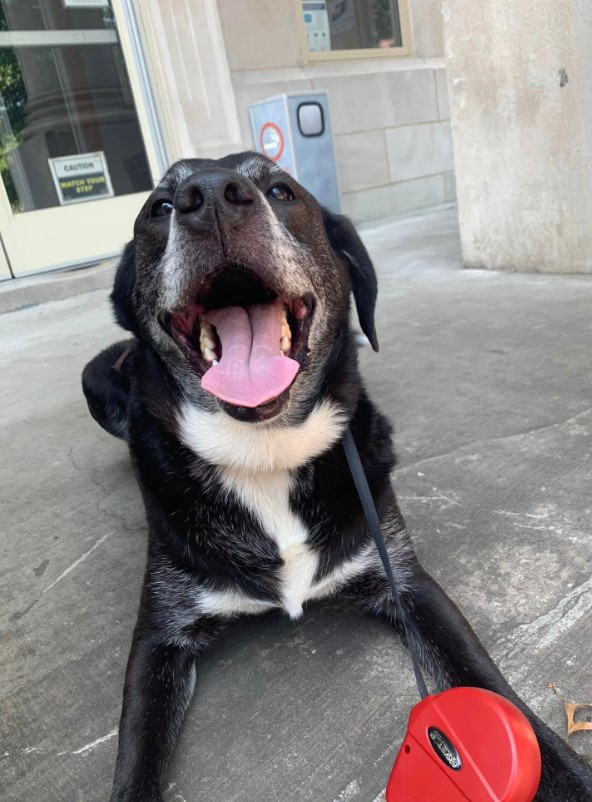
point(252, 369)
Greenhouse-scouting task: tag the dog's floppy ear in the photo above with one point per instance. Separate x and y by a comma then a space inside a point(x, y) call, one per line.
point(345, 241)
point(121, 296)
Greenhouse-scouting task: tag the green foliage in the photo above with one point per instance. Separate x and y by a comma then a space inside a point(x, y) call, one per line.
point(385, 14)
point(13, 114)
point(382, 19)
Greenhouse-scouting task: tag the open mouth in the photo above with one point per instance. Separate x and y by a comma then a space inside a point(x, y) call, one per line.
point(245, 341)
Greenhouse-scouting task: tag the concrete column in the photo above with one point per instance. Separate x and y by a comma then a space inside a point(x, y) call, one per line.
point(520, 85)
point(190, 70)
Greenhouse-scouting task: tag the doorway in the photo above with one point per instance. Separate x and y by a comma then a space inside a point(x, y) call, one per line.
point(78, 153)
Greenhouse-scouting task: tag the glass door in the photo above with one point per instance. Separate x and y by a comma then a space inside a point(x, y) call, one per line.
point(4, 266)
point(77, 156)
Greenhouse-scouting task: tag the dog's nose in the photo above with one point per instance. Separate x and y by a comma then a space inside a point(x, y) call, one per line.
point(215, 196)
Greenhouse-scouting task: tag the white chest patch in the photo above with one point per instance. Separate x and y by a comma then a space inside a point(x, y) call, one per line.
point(267, 497)
point(255, 447)
point(256, 464)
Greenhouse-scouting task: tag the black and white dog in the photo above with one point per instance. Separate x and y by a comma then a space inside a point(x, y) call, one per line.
point(233, 396)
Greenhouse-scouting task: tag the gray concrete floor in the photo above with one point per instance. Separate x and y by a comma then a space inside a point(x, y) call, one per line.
point(487, 377)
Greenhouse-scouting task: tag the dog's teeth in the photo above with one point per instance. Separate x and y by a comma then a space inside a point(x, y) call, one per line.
point(206, 337)
point(207, 342)
point(206, 332)
point(214, 361)
point(285, 345)
point(286, 336)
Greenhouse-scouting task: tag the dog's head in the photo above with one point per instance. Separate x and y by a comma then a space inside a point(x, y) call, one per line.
point(241, 282)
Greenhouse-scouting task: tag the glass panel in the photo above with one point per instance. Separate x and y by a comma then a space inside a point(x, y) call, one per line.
point(48, 15)
point(351, 24)
point(69, 130)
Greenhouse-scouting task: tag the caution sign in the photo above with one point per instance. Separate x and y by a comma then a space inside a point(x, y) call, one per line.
point(271, 140)
point(80, 178)
point(86, 3)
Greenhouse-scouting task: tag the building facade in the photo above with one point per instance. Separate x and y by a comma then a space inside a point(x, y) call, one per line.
point(98, 96)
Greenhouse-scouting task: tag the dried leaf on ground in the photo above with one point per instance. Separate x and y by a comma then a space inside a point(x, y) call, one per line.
point(571, 708)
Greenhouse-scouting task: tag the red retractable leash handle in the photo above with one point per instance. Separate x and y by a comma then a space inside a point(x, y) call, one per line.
point(461, 745)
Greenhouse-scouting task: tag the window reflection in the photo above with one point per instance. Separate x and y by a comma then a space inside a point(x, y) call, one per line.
point(351, 24)
point(63, 98)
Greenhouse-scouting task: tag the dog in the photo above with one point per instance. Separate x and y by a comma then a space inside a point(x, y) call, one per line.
point(233, 394)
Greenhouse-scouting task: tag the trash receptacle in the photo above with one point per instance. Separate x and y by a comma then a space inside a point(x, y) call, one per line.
point(294, 130)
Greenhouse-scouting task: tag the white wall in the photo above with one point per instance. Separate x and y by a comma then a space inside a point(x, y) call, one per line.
point(521, 99)
point(389, 115)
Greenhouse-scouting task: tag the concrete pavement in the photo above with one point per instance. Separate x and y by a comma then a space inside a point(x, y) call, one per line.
point(487, 378)
point(32, 290)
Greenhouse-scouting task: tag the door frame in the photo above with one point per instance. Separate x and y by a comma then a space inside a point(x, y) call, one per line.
point(5, 271)
point(135, 55)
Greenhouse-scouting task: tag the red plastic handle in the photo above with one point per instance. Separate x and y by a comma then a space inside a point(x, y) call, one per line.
point(466, 744)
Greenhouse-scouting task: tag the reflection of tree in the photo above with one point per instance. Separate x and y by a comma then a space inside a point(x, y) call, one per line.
point(383, 23)
point(13, 98)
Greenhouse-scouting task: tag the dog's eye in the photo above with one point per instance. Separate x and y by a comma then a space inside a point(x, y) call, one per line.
point(281, 192)
point(161, 208)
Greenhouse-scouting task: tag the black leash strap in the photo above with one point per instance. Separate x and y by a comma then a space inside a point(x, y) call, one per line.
point(361, 483)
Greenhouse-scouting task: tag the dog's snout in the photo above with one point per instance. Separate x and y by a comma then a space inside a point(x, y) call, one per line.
point(215, 196)
point(189, 198)
point(239, 193)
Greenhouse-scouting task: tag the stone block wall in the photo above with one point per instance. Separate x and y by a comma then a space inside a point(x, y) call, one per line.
point(389, 115)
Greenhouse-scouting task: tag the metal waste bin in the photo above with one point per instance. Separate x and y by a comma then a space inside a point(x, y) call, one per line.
point(294, 130)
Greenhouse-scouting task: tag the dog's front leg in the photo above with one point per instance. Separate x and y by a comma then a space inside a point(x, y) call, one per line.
point(158, 687)
point(451, 652)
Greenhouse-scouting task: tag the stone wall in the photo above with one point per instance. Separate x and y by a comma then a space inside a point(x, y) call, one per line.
point(389, 115)
point(521, 101)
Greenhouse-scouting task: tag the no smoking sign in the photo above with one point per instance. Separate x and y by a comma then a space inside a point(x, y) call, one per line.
point(271, 140)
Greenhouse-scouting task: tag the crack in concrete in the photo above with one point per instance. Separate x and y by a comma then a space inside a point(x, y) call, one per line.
point(120, 517)
point(16, 616)
point(70, 455)
point(348, 792)
point(77, 562)
point(178, 793)
point(564, 528)
point(550, 626)
point(19, 614)
point(22, 613)
point(466, 446)
point(93, 744)
point(83, 750)
point(106, 490)
point(442, 497)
